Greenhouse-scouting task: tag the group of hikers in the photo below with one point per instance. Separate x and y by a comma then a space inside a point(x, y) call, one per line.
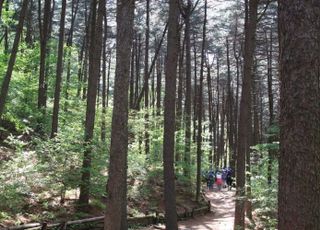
point(222, 178)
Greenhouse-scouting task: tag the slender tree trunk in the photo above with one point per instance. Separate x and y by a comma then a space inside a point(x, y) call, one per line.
point(179, 101)
point(47, 62)
point(81, 66)
point(7, 77)
point(169, 118)
point(86, 41)
point(42, 103)
point(6, 32)
point(270, 102)
point(222, 152)
point(211, 116)
point(236, 109)
point(104, 79)
point(116, 212)
point(94, 72)
point(138, 57)
point(200, 106)
point(218, 155)
point(230, 113)
point(187, 157)
point(29, 31)
point(131, 89)
point(108, 78)
point(88, 19)
point(195, 95)
point(159, 79)
point(245, 111)
point(146, 82)
point(56, 104)
point(299, 178)
point(74, 10)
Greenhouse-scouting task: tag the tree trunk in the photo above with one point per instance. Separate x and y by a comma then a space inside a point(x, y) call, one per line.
point(158, 88)
point(230, 113)
point(74, 10)
point(7, 77)
point(56, 104)
point(131, 88)
point(200, 106)
point(270, 102)
point(218, 155)
point(94, 72)
point(299, 178)
point(138, 57)
point(146, 82)
point(179, 101)
point(108, 78)
point(104, 79)
point(44, 31)
point(86, 52)
point(245, 111)
point(6, 32)
point(29, 32)
point(81, 66)
point(116, 212)
point(211, 116)
point(222, 152)
point(195, 94)
point(169, 118)
point(187, 157)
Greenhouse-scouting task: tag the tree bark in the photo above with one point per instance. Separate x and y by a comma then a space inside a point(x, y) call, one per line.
point(104, 79)
point(158, 88)
point(42, 102)
point(74, 10)
point(56, 104)
point(132, 77)
point(146, 82)
point(245, 111)
point(218, 155)
point(187, 157)
point(29, 32)
point(230, 111)
point(211, 116)
point(270, 102)
point(200, 106)
point(94, 72)
point(116, 212)
point(179, 100)
point(299, 175)
point(169, 118)
point(138, 57)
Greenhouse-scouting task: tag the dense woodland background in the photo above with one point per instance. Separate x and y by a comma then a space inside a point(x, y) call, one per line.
point(97, 91)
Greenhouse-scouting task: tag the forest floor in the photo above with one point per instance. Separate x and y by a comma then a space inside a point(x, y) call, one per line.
point(221, 216)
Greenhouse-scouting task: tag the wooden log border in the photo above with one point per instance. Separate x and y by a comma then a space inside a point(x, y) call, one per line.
point(97, 222)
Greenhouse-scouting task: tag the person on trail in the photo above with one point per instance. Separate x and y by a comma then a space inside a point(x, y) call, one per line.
point(211, 179)
point(229, 178)
point(224, 177)
point(219, 181)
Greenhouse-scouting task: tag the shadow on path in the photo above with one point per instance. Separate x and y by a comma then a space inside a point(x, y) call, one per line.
point(221, 217)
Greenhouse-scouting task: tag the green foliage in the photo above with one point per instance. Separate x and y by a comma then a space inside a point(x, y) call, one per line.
point(265, 196)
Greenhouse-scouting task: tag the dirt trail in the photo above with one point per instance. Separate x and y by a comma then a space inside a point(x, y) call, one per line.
point(221, 217)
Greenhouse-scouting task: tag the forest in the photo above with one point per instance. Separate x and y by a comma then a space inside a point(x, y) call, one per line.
point(160, 114)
